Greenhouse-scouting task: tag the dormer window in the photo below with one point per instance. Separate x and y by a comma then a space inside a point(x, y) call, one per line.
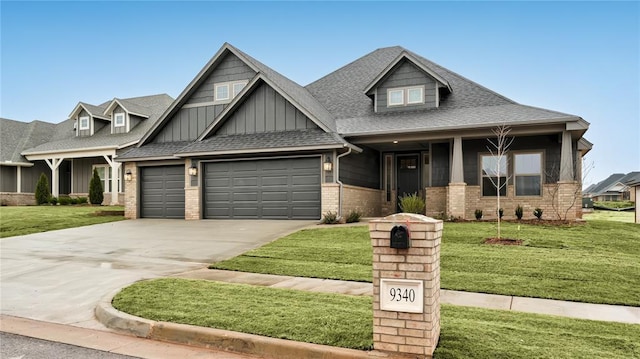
point(224, 92)
point(405, 96)
point(84, 123)
point(118, 120)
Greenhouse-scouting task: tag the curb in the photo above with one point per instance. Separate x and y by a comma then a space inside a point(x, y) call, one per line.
point(222, 339)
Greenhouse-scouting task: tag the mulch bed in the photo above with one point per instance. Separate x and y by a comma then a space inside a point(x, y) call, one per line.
point(503, 241)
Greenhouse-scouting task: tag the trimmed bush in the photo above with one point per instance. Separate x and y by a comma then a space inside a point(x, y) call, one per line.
point(53, 200)
point(412, 203)
point(538, 213)
point(83, 200)
point(330, 218)
point(42, 190)
point(478, 214)
point(519, 212)
point(73, 200)
point(353, 216)
point(96, 192)
point(64, 200)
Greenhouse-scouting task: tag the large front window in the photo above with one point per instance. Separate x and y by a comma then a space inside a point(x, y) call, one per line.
point(528, 174)
point(106, 176)
point(494, 175)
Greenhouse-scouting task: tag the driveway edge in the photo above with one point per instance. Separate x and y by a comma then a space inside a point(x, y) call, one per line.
point(221, 339)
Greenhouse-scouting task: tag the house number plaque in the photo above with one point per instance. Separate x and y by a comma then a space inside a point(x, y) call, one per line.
point(401, 295)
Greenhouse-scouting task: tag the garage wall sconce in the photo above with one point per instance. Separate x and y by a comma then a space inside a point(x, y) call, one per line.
point(193, 171)
point(128, 176)
point(327, 165)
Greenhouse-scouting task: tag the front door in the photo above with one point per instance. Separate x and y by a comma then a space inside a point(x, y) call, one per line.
point(408, 175)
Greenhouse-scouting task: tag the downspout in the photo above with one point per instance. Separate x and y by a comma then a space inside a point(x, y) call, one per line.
point(338, 180)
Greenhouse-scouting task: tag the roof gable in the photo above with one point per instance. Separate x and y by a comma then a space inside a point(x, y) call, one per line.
point(93, 111)
point(129, 107)
point(405, 56)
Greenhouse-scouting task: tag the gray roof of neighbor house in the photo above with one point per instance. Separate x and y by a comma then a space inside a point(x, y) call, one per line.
point(630, 177)
point(468, 105)
point(605, 184)
point(64, 138)
point(16, 136)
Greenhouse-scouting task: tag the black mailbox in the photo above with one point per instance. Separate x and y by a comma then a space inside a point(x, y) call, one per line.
point(400, 237)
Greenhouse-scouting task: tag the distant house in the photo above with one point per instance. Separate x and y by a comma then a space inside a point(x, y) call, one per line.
point(67, 152)
point(613, 188)
point(243, 141)
point(634, 187)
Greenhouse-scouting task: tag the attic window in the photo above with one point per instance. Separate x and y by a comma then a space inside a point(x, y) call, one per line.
point(118, 120)
point(224, 92)
point(405, 96)
point(84, 123)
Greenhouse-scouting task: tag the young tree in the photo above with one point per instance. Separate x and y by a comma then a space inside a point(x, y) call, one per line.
point(42, 190)
point(561, 210)
point(96, 195)
point(499, 148)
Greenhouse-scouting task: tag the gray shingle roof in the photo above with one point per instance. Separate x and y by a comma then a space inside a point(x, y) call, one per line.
point(134, 107)
point(605, 184)
point(265, 141)
point(64, 138)
point(470, 104)
point(94, 110)
point(16, 136)
point(154, 150)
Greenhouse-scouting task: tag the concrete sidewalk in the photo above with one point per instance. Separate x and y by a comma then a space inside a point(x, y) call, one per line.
point(603, 312)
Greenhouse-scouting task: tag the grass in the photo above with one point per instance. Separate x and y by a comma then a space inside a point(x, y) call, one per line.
point(21, 220)
point(346, 321)
point(594, 262)
point(598, 215)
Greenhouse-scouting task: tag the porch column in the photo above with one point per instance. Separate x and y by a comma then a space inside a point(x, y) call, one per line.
point(19, 179)
point(115, 166)
point(54, 164)
point(566, 158)
point(456, 191)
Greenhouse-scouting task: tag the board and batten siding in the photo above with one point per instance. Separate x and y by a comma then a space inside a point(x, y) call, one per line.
point(8, 176)
point(361, 169)
point(198, 112)
point(406, 75)
point(82, 172)
point(31, 175)
point(265, 110)
point(115, 129)
point(440, 164)
point(134, 121)
point(87, 132)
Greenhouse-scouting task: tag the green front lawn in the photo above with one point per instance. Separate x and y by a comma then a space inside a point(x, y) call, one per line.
point(594, 262)
point(21, 220)
point(346, 321)
point(616, 216)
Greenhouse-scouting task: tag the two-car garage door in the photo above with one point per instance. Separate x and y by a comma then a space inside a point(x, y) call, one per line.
point(284, 188)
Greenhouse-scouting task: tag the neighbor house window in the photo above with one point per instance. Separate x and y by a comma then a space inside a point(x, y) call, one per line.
point(528, 174)
point(224, 92)
point(84, 123)
point(405, 96)
point(118, 120)
point(494, 175)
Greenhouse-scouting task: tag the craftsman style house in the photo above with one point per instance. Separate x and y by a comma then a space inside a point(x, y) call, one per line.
point(243, 141)
point(67, 152)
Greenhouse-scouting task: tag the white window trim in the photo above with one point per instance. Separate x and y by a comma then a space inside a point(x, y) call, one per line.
point(230, 87)
point(516, 174)
point(83, 128)
point(105, 181)
point(405, 96)
point(119, 115)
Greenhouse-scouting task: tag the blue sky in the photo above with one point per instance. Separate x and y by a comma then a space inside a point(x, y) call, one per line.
point(580, 58)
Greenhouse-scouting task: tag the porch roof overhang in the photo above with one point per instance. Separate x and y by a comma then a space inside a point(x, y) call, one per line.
point(73, 153)
point(17, 164)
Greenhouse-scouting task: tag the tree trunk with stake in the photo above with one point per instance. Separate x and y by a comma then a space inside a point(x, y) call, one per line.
point(499, 149)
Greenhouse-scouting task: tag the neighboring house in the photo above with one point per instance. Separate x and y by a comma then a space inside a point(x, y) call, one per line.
point(243, 141)
point(634, 187)
point(18, 176)
point(67, 152)
point(613, 188)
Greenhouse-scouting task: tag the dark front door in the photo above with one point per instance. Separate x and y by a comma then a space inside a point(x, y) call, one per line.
point(408, 172)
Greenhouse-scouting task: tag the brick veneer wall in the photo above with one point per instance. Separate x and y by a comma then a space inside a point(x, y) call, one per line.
point(365, 200)
point(17, 199)
point(400, 332)
point(456, 194)
point(330, 197)
point(131, 191)
point(436, 204)
point(192, 203)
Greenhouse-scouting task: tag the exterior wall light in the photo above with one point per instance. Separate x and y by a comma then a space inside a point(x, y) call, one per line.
point(327, 165)
point(193, 171)
point(128, 176)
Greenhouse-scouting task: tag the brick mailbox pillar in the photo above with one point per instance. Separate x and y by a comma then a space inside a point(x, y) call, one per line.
point(406, 284)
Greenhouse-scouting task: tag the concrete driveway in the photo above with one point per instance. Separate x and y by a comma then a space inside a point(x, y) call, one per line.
point(60, 276)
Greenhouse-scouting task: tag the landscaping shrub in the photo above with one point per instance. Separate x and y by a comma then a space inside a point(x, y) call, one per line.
point(83, 200)
point(73, 200)
point(478, 214)
point(519, 212)
point(96, 192)
point(538, 213)
point(500, 213)
point(353, 216)
point(64, 200)
point(412, 203)
point(330, 218)
point(53, 200)
point(42, 190)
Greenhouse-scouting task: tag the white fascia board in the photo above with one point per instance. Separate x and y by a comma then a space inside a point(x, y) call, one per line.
point(261, 150)
point(16, 164)
point(72, 153)
point(138, 159)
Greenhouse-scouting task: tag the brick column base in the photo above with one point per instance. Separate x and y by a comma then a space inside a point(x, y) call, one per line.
point(192, 203)
point(131, 191)
point(456, 200)
point(330, 197)
point(569, 195)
